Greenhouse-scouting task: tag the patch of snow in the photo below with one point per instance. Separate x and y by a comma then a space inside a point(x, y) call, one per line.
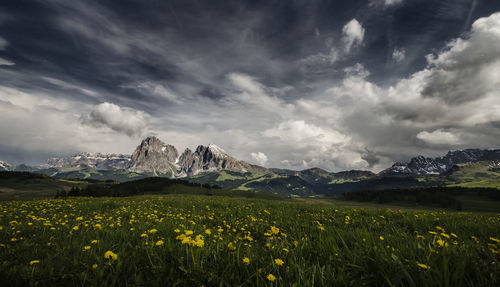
point(217, 151)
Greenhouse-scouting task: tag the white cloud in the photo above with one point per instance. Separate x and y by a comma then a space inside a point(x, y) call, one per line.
point(34, 126)
point(468, 69)
point(357, 70)
point(5, 62)
point(385, 3)
point(301, 133)
point(3, 43)
point(439, 137)
point(166, 93)
point(259, 157)
point(399, 55)
point(352, 34)
point(321, 58)
point(124, 120)
point(392, 2)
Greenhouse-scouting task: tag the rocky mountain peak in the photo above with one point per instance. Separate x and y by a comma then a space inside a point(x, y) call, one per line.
point(153, 155)
point(5, 166)
point(421, 165)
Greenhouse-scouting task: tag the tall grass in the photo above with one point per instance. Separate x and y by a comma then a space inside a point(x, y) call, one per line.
point(220, 241)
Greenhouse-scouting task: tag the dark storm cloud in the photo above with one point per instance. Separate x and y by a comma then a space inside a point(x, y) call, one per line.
point(233, 72)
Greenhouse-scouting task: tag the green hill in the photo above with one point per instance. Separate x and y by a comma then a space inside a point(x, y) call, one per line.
point(23, 185)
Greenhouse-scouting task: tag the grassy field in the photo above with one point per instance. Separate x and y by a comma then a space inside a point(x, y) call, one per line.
point(219, 241)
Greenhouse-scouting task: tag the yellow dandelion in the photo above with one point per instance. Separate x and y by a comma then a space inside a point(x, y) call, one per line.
point(246, 260)
point(441, 243)
point(152, 231)
point(94, 241)
point(110, 255)
point(279, 262)
point(177, 230)
point(159, 243)
point(495, 240)
point(86, 248)
point(75, 228)
point(94, 266)
point(275, 230)
point(208, 232)
point(381, 238)
point(423, 266)
point(271, 277)
point(34, 262)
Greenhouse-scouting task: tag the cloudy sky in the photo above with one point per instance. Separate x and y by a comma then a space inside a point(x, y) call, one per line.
point(293, 84)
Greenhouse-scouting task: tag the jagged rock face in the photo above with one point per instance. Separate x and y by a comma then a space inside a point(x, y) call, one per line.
point(94, 160)
point(426, 166)
point(5, 166)
point(154, 156)
point(208, 158)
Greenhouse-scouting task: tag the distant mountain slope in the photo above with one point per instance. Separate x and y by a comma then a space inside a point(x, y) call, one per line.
point(25, 185)
point(474, 174)
point(93, 160)
point(86, 172)
point(420, 165)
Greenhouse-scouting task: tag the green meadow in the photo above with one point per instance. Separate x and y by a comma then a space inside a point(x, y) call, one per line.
point(195, 240)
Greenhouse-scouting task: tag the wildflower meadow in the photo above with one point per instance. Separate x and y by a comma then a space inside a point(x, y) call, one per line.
point(181, 240)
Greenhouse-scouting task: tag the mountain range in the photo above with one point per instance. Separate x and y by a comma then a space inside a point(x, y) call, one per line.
point(210, 164)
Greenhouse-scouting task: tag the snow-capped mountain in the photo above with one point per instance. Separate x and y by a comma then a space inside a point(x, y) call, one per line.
point(427, 166)
point(154, 156)
point(209, 158)
point(94, 160)
point(5, 166)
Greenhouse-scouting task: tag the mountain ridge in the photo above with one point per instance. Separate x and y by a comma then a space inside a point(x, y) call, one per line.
point(421, 165)
point(210, 164)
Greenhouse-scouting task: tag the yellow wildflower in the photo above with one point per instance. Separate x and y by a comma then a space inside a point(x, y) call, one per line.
point(94, 266)
point(271, 277)
point(208, 232)
point(381, 238)
point(246, 260)
point(494, 239)
point(159, 243)
point(110, 255)
point(441, 243)
point(423, 266)
point(152, 231)
point(279, 262)
point(275, 230)
point(86, 248)
point(34, 262)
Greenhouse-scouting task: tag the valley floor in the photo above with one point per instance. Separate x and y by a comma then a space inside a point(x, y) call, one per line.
point(221, 241)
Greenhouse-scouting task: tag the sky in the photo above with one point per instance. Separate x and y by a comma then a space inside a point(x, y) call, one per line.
point(291, 84)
